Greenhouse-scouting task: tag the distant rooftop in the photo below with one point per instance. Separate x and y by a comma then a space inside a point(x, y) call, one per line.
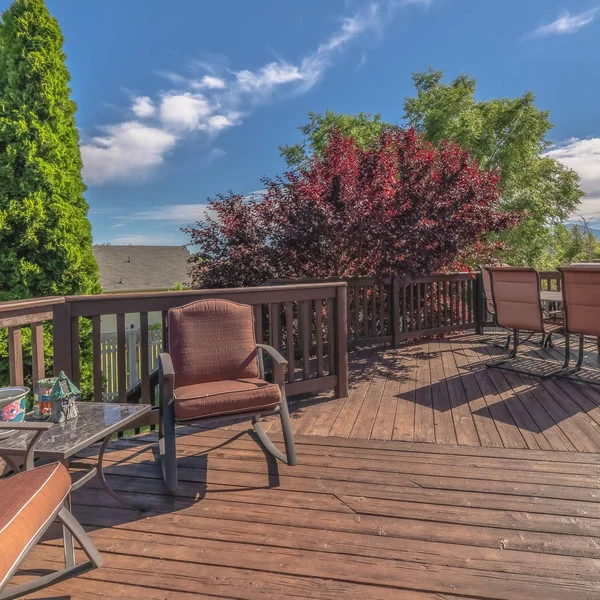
point(141, 268)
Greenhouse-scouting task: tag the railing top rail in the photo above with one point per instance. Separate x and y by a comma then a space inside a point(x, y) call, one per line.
point(30, 304)
point(204, 292)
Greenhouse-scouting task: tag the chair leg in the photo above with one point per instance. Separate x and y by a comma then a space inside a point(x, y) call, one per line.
point(76, 530)
point(167, 446)
point(565, 365)
point(290, 450)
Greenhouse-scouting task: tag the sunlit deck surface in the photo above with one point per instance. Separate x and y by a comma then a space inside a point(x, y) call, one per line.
point(503, 502)
point(440, 391)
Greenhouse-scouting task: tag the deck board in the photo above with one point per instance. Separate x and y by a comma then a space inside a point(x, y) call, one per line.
point(440, 391)
point(355, 519)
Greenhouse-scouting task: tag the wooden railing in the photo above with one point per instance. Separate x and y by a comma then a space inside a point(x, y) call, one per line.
point(394, 309)
point(312, 323)
point(306, 322)
point(32, 314)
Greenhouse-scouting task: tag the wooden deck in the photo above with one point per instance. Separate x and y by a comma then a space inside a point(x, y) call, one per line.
point(440, 391)
point(355, 519)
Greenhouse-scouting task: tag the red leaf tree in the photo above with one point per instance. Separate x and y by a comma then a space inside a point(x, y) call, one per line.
point(398, 207)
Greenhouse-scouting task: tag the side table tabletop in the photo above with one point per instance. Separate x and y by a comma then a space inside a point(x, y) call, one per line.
point(96, 421)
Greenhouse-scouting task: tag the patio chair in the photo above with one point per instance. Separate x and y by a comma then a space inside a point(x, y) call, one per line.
point(215, 368)
point(30, 502)
point(489, 300)
point(518, 306)
point(581, 301)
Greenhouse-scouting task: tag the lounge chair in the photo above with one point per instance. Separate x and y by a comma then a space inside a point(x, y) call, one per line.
point(518, 306)
point(581, 301)
point(215, 368)
point(30, 501)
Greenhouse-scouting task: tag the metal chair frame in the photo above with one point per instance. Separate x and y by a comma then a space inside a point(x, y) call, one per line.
point(167, 419)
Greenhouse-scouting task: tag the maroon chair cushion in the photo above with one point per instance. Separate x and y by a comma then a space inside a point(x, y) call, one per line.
point(224, 397)
point(29, 500)
point(212, 340)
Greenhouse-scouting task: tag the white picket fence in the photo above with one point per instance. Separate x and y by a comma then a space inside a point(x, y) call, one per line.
point(108, 353)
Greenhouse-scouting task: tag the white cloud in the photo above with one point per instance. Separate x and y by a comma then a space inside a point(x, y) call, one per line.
point(143, 107)
point(175, 213)
point(143, 239)
point(126, 151)
point(183, 111)
point(208, 82)
point(583, 156)
point(565, 24)
point(130, 150)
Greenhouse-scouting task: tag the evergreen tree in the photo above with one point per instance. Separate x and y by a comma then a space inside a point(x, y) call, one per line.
point(45, 236)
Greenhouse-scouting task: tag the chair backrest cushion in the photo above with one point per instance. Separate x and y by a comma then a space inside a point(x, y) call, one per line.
point(212, 340)
point(516, 292)
point(581, 292)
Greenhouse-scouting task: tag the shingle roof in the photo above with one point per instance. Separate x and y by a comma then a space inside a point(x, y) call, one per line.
point(141, 268)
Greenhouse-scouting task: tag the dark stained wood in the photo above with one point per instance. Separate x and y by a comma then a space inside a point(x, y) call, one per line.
point(38, 367)
point(319, 336)
point(355, 519)
point(15, 356)
point(75, 366)
point(121, 362)
point(258, 323)
point(144, 357)
point(97, 358)
point(291, 347)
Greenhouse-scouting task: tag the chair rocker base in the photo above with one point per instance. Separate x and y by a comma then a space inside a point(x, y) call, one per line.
point(168, 452)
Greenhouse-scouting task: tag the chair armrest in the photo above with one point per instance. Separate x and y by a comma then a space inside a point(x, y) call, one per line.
point(274, 354)
point(165, 363)
point(279, 364)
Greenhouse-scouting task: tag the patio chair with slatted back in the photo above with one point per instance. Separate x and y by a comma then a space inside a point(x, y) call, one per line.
point(581, 300)
point(30, 502)
point(489, 300)
point(518, 306)
point(215, 369)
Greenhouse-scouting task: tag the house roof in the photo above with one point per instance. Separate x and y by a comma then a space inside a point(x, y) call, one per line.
point(141, 268)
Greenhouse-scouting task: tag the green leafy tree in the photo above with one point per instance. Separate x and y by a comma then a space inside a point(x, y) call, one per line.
point(507, 134)
point(45, 236)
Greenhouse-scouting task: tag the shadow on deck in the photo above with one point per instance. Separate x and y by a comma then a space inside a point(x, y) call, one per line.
point(355, 519)
point(441, 391)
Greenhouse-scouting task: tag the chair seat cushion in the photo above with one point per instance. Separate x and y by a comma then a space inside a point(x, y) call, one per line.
point(224, 397)
point(29, 500)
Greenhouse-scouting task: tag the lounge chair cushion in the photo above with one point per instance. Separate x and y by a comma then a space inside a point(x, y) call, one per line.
point(212, 340)
point(225, 397)
point(29, 500)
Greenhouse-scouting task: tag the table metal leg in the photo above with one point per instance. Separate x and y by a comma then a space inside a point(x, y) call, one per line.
point(69, 545)
point(106, 486)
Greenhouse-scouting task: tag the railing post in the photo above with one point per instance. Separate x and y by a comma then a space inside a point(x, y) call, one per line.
point(395, 311)
point(341, 346)
point(15, 355)
point(62, 339)
point(479, 300)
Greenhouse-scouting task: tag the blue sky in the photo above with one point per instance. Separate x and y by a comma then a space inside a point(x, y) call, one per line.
point(181, 100)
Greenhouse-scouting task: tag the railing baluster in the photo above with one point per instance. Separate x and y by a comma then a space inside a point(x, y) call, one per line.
point(121, 364)
point(382, 328)
point(38, 367)
point(97, 357)
point(331, 336)
point(366, 311)
point(15, 356)
point(291, 347)
point(275, 325)
point(355, 298)
point(306, 322)
point(319, 335)
point(258, 323)
point(75, 367)
point(144, 357)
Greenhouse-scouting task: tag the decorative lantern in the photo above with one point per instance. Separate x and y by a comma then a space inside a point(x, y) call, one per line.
point(42, 405)
point(63, 397)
